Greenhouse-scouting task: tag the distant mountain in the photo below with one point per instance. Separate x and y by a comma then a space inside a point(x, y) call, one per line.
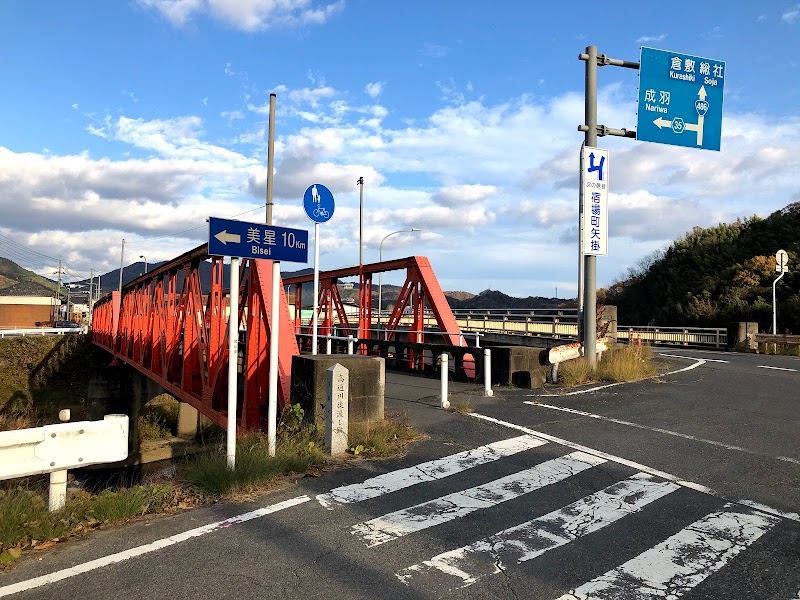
point(495, 299)
point(12, 274)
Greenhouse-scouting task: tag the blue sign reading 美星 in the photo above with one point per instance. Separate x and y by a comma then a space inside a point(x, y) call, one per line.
point(680, 99)
point(227, 237)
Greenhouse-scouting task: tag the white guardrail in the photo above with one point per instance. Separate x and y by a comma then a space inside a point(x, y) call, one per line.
point(4, 333)
point(56, 448)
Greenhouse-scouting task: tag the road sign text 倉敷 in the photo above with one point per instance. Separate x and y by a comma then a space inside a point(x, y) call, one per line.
point(680, 99)
point(594, 177)
point(227, 237)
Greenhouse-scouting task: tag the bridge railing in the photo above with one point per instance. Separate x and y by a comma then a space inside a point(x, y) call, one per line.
point(563, 323)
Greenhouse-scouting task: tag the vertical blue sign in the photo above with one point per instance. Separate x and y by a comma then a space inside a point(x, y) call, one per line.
point(680, 99)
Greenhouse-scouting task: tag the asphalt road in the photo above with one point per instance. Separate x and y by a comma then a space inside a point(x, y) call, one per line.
point(684, 486)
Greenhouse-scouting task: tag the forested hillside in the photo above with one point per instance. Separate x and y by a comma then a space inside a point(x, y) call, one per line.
point(712, 276)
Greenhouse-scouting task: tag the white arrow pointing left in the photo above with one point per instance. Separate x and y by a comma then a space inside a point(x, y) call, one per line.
point(225, 237)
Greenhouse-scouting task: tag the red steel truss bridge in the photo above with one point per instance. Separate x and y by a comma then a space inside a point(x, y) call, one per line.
point(165, 325)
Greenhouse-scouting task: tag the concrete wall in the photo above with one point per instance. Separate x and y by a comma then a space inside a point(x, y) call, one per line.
point(367, 384)
point(24, 315)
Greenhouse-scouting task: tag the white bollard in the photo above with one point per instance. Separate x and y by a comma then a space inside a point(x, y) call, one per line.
point(350, 340)
point(336, 409)
point(477, 339)
point(328, 344)
point(443, 360)
point(487, 373)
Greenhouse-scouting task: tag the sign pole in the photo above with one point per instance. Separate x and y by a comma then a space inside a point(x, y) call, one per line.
point(233, 361)
point(274, 337)
point(581, 233)
point(590, 261)
point(314, 318)
point(781, 258)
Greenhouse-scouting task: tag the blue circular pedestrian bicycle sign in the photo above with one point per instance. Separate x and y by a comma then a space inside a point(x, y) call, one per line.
point(318, 202)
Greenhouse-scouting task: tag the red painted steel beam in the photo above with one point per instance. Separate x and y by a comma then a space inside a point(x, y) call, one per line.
point(179, 338)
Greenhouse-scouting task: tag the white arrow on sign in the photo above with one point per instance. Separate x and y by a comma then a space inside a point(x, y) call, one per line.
point(225, 237)
point(659, 122)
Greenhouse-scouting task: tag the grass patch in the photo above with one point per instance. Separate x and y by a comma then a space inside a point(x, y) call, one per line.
point(158, 418)
point(381, 439)
point(26, 522)
point(462, 407)
point(619, 363)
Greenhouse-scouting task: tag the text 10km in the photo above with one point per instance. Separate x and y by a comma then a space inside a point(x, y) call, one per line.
point(291, 241)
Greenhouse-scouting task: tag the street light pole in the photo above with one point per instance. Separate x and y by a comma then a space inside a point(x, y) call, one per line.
point(380, 275)
point(145, 262)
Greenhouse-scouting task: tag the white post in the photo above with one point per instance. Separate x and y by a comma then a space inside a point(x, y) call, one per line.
point(274, 337)
point(58, 479)
point(487, 373)
point(477, 338)
point(58, 490)
point(350, 340)
point(443, 360)
point(316, 291)
point(328, 344)
point(233, 361)
point(336, 409)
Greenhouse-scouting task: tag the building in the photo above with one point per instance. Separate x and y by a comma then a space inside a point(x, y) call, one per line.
point(25, 304)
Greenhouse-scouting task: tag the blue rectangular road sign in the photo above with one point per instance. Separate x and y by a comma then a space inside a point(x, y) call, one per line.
point(256, 240)
point(680, 99)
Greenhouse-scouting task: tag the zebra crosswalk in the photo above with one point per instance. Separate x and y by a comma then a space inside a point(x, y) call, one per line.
point(672, 567)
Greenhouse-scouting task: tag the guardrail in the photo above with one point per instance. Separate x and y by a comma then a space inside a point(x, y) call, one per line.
point(40, 331)
point(563, 324)
point(56, 448)
point(787, 343)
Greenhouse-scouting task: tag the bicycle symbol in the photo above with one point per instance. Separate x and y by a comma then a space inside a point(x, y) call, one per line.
point(321, 212)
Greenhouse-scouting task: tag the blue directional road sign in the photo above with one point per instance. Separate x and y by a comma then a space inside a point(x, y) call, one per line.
point(256, 240)
point(318, 202)
point(680, 99)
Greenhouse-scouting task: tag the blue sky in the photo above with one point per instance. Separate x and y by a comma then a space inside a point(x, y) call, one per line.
point(139, 119)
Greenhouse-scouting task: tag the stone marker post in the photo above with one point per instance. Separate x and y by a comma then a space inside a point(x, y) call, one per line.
point(336, 409)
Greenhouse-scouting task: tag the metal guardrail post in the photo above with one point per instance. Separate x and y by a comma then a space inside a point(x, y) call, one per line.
point(350, 341)
point(328, 344)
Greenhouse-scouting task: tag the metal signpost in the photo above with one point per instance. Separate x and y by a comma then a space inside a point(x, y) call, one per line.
point(319, 206)
point(240, 239)
point(782, 267)
point(680, 99)
point(680, 103)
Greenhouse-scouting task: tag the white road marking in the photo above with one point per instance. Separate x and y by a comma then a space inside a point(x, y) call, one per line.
point(459, 504)
point(111, 559)
point(427, 471)
point(462, 567)
point(793, 516)
point(685, 436)
point(716, 360)
point(675, 566)
point(776, 368)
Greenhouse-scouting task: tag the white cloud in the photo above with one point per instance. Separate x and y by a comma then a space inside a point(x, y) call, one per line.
point(460, 195)
point(790, 17)
point(434, 50)
point(645, 39)
point(246, 15)
point(374, 89)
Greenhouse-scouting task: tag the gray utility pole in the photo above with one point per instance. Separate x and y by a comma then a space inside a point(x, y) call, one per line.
point(58, 290)
point(591, 128)
point(360, 182)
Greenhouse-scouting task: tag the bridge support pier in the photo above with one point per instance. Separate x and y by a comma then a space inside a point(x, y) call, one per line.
point(188, 419)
